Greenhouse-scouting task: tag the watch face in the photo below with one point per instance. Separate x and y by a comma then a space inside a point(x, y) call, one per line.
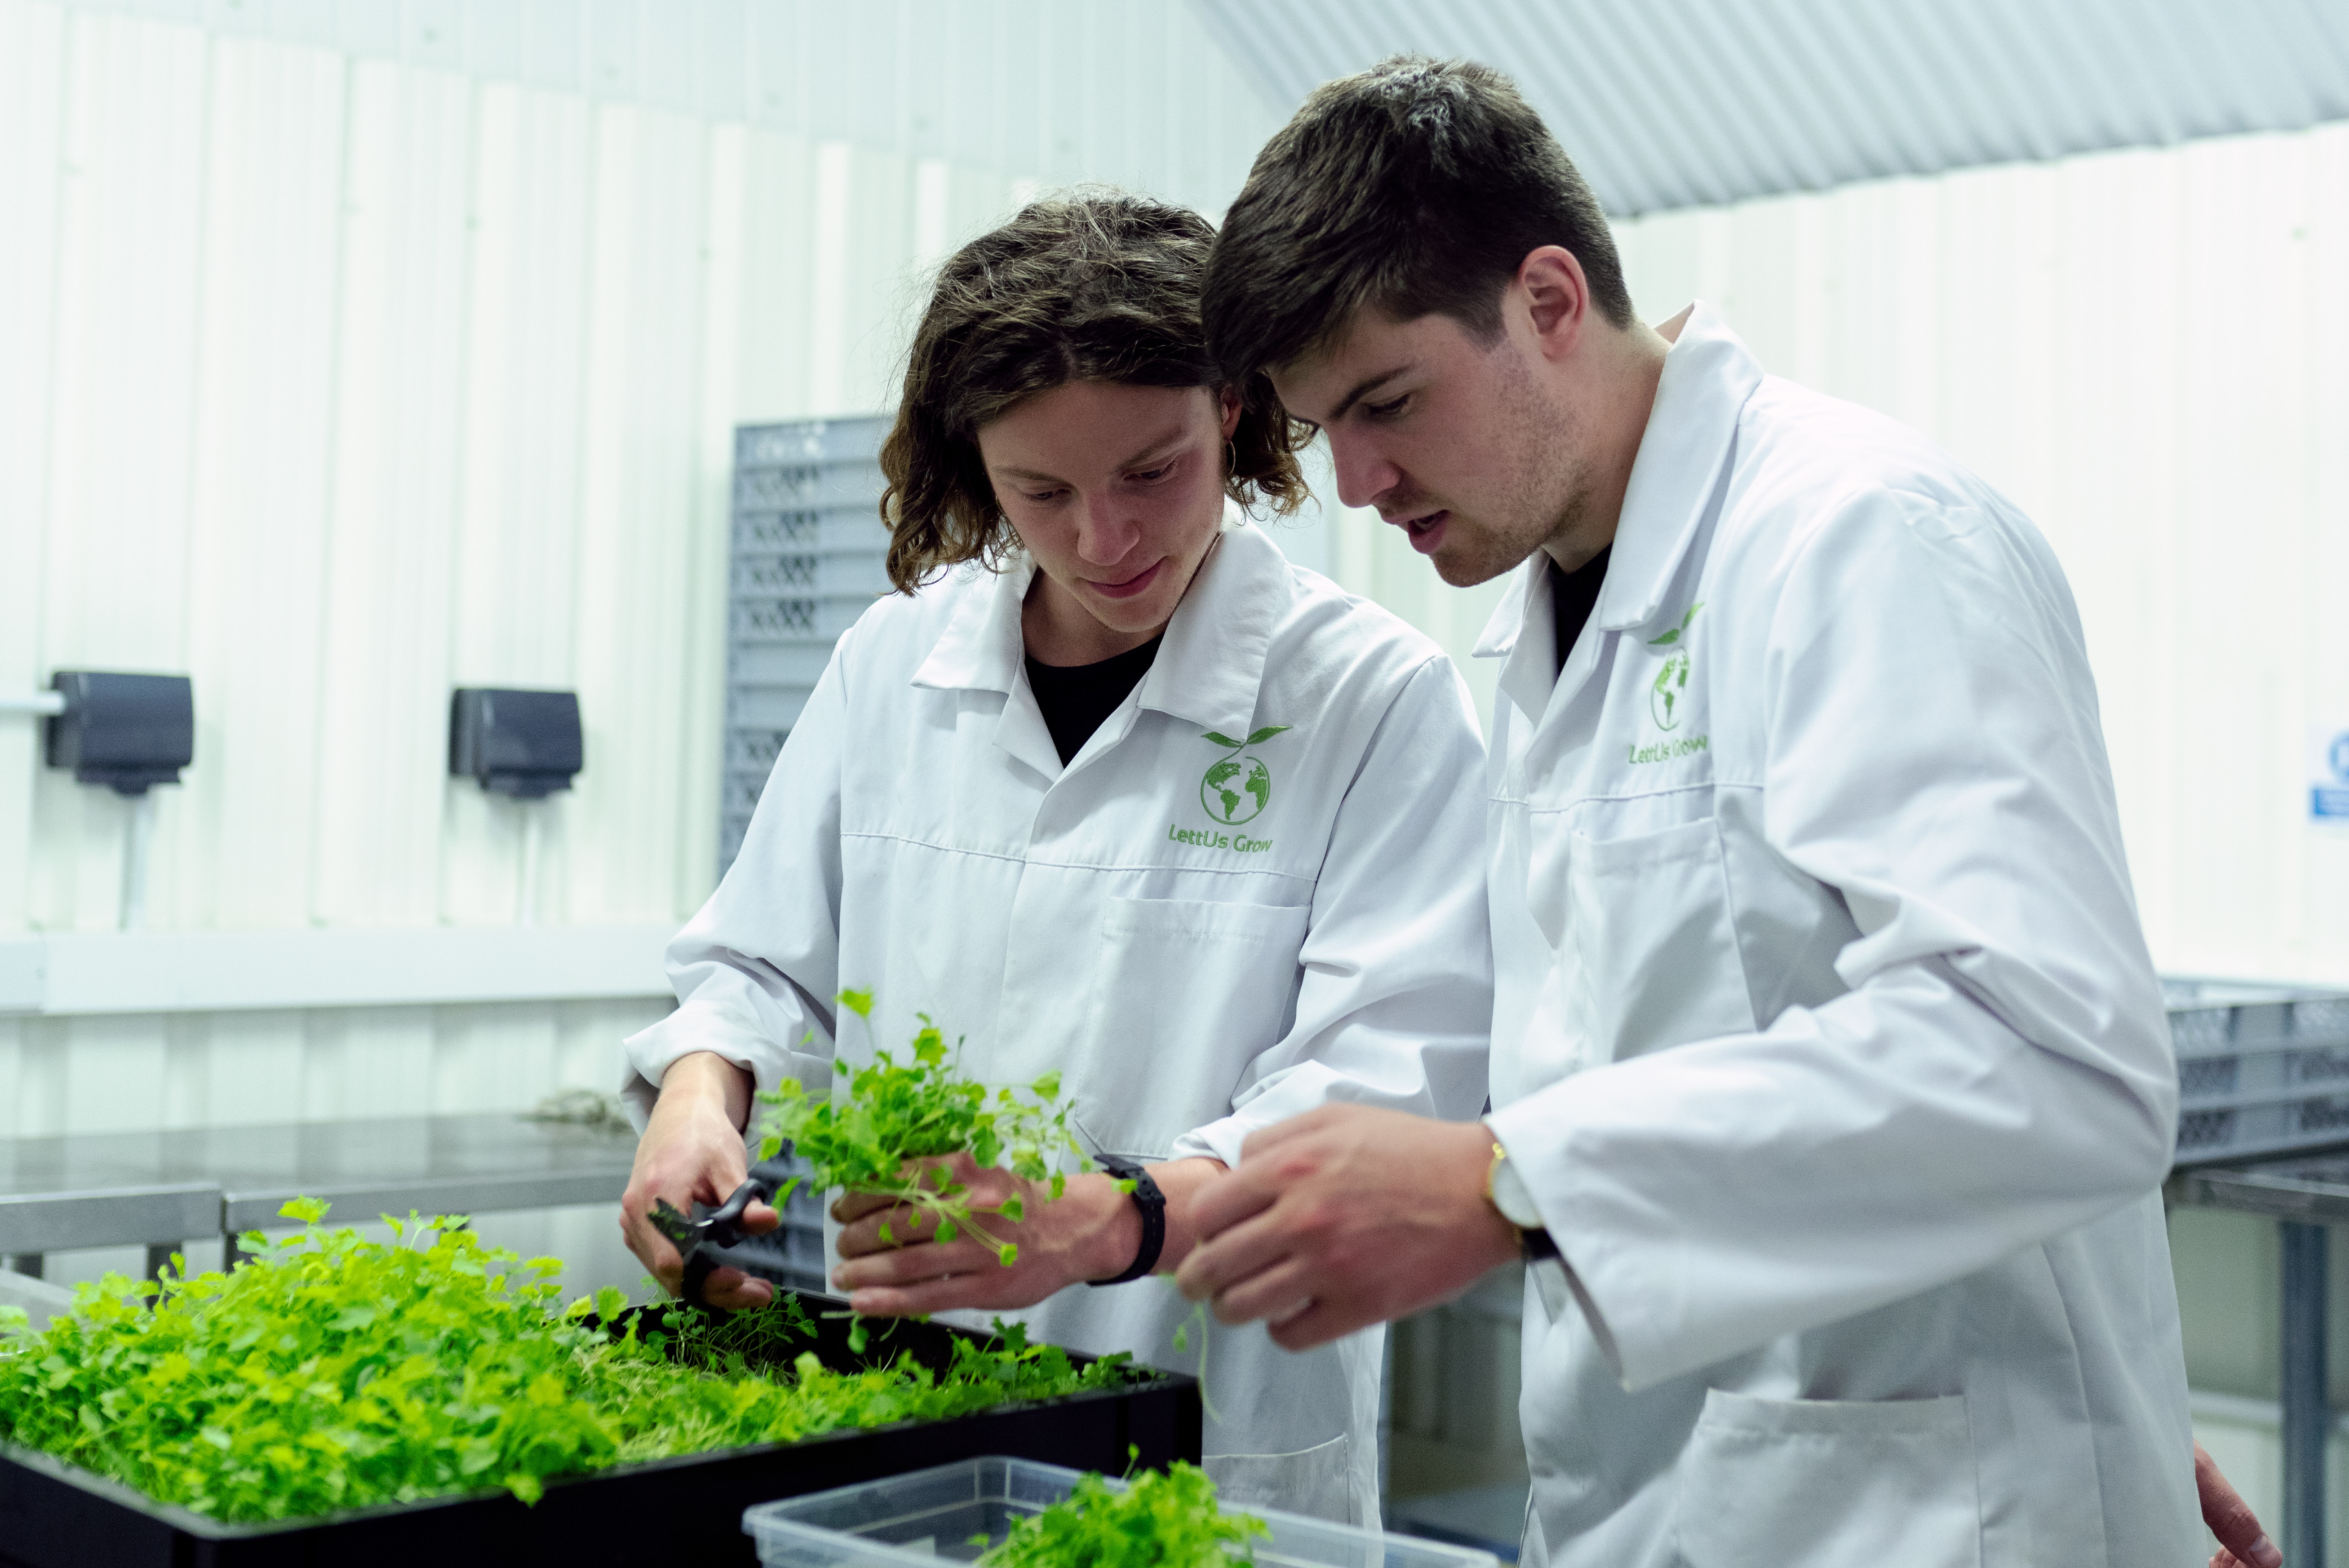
point(1509, 1196)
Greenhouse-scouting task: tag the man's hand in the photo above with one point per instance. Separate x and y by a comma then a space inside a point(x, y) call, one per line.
point(1344, 1217)
point(2242, 1542)
point(1091, 1232)
point(692, 1148)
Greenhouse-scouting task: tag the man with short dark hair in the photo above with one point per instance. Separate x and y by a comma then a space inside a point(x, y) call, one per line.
point(1831, 1083)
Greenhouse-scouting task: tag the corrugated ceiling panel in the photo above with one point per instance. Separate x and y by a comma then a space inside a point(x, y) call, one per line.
point(1682, 103)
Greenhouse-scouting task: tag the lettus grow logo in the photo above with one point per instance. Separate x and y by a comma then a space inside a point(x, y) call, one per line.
point(1671, 681)
point(1237, 786)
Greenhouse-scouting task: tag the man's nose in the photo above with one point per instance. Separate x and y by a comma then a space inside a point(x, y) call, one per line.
point(1363, 473)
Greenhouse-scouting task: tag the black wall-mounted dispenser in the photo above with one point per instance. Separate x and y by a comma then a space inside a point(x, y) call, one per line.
point(128, 732)
point(525, 744)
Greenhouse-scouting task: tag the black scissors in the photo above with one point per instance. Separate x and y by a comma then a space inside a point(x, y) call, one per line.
point(707, 1240)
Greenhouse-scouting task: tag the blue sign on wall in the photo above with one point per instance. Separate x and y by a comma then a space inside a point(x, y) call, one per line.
point(2330, 798)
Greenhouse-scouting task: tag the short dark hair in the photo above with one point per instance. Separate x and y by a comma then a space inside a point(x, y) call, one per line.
point(1100, 287)
point(1417, 188)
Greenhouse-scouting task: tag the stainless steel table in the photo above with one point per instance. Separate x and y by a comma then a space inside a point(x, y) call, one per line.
point(161, 1189)
point(2305, 1194)
point(42, 1216)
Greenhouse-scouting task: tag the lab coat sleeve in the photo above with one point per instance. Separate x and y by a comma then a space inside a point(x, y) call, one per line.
point(1999, 1071)
point(755, 971)
point(1396, 1001)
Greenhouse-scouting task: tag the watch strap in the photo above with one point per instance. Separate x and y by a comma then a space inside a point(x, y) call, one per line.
point(1153, 1204)
point(1534, 1242)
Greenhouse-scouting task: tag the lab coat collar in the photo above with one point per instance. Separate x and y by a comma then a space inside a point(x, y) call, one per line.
point(1210, 666)
point(1207, 671)
point(982, 648)
point(1708, 376)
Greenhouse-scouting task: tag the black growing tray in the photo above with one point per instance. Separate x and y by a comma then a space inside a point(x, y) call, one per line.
point(54, 1515)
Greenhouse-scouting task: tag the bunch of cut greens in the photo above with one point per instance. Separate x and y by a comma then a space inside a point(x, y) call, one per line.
point(1159, 1521)
point(894, 1116)
point(338, 1372)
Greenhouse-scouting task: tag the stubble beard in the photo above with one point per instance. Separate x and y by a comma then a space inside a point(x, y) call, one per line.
point(1526, 512)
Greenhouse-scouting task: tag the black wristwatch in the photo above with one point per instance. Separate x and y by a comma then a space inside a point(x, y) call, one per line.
point(1153, 1204)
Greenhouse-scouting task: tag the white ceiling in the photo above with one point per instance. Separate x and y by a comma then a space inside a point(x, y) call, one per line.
point(1681, 103)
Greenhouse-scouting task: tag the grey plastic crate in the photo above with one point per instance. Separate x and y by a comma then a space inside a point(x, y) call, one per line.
point(932, 1515)
point(809, 555)
point(2262, 1068)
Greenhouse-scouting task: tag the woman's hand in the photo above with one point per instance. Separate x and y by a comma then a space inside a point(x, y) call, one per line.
point(1091, 1230)
point(692, 1149)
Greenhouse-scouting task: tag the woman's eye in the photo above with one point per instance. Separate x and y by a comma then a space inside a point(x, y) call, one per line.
point(1151, 476)
point(1386, 410)
point(1039, 495)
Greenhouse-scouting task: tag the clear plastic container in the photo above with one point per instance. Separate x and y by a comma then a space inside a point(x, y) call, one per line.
point(931, 1515)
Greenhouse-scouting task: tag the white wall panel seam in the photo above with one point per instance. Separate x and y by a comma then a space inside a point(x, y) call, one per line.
point(346, 140)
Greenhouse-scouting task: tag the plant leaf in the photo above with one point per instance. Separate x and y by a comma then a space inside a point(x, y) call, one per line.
point(1267, 733)
point(1223, 740)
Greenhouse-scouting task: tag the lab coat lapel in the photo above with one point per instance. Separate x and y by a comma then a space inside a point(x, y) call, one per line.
point(1522, 632)
point(1707, 378)
point(1210, 666)
point(983, 649)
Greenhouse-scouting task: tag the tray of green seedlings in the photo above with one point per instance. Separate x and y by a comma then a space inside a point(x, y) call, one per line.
point(427, 1398)
point(1006, 1513)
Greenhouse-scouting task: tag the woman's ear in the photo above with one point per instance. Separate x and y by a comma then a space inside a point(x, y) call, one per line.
point(1229, 400)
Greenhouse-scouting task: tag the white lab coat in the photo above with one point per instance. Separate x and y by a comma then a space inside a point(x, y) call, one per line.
point(1826, 1037)
point(1198, 958)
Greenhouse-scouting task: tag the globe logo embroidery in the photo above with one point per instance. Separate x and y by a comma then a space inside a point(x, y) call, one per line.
point(1237, 786)
point(1671, 681)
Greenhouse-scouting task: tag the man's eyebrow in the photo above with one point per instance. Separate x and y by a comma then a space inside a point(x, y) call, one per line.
point(1363, 388)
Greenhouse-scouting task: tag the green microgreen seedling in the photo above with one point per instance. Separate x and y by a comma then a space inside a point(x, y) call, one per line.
point(337, 1372)
point(1160, 1519)
point(893, 1116)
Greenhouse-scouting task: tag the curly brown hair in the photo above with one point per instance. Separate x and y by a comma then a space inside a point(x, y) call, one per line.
point(1098, 286)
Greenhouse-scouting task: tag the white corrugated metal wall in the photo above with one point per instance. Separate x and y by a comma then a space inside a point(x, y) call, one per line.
point(350, 353)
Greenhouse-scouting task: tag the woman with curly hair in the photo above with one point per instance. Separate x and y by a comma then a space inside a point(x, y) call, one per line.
point(1110, 789)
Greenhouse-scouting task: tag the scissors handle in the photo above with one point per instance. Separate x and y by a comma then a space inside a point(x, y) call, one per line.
point(712, 1231)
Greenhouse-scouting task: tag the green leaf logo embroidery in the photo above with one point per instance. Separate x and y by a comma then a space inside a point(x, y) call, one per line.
point(1237, 786)
point(1671, 681)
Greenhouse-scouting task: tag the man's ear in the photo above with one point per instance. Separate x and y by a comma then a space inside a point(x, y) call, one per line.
point(1556, 296)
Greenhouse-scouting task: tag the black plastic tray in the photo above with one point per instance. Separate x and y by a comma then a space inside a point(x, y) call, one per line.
point(688, 1509)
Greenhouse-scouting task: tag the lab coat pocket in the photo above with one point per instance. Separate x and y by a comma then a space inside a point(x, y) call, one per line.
point(1651, 922)
point(1317, 1481)
point(1829, 1483)
point(1190, 991)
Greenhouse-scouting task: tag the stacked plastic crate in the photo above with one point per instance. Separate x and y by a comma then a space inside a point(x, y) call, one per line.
point(808, 555)
point(2262, 1069)
point(808, 558)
